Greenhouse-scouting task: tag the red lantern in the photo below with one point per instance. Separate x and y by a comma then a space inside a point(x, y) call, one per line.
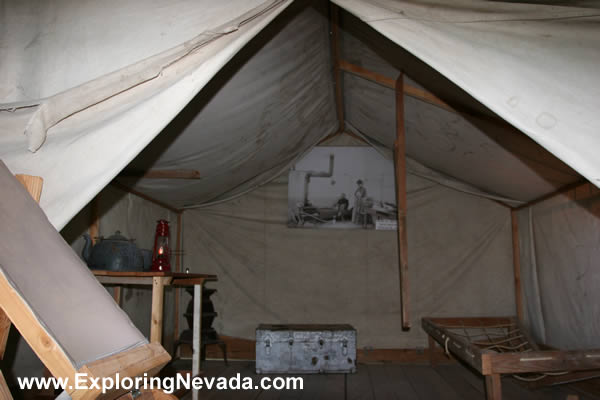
point(161, 254)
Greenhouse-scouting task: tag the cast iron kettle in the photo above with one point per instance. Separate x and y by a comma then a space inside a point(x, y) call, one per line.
point(115, 253)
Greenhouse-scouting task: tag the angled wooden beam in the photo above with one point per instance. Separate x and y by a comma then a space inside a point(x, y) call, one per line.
point(337, 74)
point(144, 196)
point(162, 174)
point(400, 169)
point(517, 265)
point(409, 90)
point(4, 331)
point(563, 189)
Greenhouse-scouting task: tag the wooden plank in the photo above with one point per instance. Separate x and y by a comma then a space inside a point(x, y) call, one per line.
point(468, 385)
point(33, 184)
point(428, 384)
point(400, 169)
point(389, 382)
point(337, 74)
point(4, 331)
point(517, 265)
point(158, 295)
point(547, 361)
point(162, 174)
point(457, 345)
point(144, 196)
point(493, 387)
point(149, 358)
point(175, 275)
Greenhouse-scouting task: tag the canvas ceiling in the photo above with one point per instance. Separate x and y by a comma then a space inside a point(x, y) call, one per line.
point(534, 65)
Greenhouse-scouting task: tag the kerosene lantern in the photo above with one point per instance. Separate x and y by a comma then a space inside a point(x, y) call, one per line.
point(161, 254)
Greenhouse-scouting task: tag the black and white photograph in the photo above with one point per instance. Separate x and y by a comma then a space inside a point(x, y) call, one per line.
point(342, 188)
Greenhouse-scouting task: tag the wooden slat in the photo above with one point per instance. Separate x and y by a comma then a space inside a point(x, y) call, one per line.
point(544, 361)
point(33, 184)
point(400, 170)
point(457, 345)
point(162, 174)
point(337, 74)
point(517, 265)
point(149, 359)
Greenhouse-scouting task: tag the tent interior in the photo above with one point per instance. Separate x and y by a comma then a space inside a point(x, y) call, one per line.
point(196, 112)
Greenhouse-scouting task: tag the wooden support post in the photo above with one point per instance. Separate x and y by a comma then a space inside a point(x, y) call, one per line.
point(94, 229)
point(177, 269)
point(400, 168)
point(431, 351)
point(117, 295)
point(158, 291)
point(493, 387)
point(517, 265)
point(337, 73)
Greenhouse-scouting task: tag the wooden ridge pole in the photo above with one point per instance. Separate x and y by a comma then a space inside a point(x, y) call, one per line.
point(400, 169)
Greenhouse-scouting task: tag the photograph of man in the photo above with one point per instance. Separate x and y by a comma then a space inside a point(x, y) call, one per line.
point(359, 207)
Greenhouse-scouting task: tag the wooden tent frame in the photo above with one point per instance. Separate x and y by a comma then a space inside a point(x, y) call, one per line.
point(146, 359)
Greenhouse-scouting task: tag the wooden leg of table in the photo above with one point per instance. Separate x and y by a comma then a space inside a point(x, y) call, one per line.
point(493, 387)
point(117, 295)
point(196, 345)
point(158, 296)
point(431, 351)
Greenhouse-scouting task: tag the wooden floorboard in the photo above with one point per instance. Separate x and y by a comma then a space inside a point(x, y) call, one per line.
point(428, 384)
point(385, 381)
point(467, 388)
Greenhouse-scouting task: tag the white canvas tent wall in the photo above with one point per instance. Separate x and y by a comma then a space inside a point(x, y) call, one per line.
point(533, 65)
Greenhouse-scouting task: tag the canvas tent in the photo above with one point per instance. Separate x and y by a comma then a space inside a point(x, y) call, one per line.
point(88, 90)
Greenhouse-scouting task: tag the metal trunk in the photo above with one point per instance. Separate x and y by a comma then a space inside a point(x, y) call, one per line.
point(305, 349)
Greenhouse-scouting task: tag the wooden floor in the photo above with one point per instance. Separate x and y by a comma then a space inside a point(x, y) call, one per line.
point(382, 381)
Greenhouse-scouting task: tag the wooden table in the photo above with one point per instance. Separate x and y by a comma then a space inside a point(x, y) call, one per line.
point(158, 280)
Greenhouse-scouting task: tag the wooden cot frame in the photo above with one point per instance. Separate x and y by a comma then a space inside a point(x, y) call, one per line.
point(146, 359)
point(492, 364)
